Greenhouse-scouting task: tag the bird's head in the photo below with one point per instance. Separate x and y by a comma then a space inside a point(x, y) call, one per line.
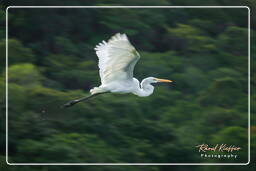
point(146, 87)
point(157, 80)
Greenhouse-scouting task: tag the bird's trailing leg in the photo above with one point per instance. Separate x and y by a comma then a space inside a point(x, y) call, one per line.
point(73, 102)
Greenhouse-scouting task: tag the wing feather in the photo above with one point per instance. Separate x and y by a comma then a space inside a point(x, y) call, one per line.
point(117, 59)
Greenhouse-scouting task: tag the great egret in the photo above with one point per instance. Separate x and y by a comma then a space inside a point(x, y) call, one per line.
point(117, 58)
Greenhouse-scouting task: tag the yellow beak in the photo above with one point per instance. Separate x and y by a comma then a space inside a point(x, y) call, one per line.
point(164, 81)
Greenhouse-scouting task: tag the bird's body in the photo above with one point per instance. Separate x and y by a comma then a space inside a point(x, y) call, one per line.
point(122, 87)
point(117, 59)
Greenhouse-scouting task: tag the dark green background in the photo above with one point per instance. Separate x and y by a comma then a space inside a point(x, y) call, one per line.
point(51, 61)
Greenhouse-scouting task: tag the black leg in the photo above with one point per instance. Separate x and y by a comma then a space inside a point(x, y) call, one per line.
point(70, 103)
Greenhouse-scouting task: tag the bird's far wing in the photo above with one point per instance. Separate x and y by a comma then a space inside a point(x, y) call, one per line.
point(117, 59)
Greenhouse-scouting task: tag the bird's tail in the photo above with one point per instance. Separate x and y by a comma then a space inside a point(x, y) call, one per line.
point(97, 90)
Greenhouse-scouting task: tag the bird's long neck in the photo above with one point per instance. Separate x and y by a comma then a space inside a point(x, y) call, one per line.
point(145, 88)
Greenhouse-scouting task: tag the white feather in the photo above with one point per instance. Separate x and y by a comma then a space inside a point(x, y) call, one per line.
point(117, 59)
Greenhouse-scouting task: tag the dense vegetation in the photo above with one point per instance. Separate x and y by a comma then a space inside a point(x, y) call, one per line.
point(51, 61)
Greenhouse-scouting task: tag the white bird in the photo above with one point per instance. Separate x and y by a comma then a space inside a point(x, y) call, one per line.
point(117, 58)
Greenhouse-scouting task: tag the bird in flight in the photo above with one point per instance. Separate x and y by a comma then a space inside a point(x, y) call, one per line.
point(117, 58)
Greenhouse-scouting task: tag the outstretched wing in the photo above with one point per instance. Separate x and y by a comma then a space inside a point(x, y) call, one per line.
point(117, 59)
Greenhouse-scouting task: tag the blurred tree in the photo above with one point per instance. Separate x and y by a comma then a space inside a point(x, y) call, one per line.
point(17, 53)
point(24, 74)
point(236, 136)
point(223, 92)
point(232, 43)
point(67, 148)
point(186, 38)
point(51, 61)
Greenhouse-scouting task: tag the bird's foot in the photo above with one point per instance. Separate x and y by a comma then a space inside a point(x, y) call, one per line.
point(70, 103)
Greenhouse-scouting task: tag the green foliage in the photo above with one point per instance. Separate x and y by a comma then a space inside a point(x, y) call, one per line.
point(234, 135)
point(51, 61)
point(67, 148)
point(17, 53)
point(234, 44)
point(222, 92)
point(24, 74)
point(17, 96)
point(190, 38)
point(2, 55)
